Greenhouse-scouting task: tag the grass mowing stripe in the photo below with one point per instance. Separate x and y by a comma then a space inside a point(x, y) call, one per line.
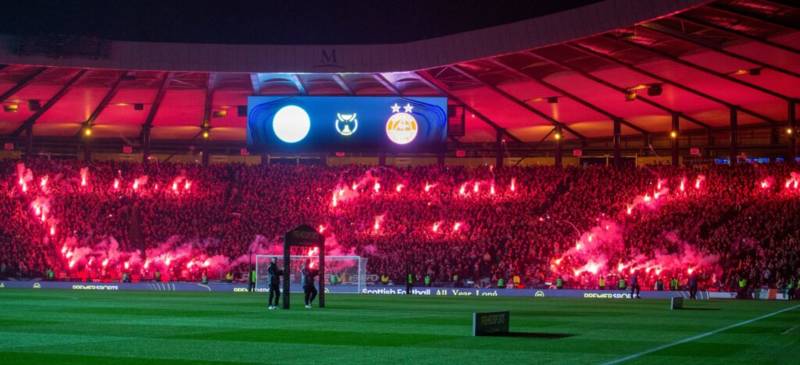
point(92, 328)
point(697, 337)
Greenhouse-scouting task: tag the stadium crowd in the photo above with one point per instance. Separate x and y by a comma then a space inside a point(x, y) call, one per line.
point(441, 224)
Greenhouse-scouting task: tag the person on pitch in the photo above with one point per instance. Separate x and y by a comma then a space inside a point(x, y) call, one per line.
point(251, 286)
point(693, 286)
point(274, 279)
point(410, 278)
point(635, 286)
point(307, 279)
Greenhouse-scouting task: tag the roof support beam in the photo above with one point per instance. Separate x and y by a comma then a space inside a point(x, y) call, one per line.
point(205, 124)
point(679, 85)
point(21, 84)
point(151, 115)
point(676, 128)
point(207, 105)
point(298, 83)
point(339, 80)
point(49, 104)
point(28, 144)
point(558, 152)
point(442, 88)
point(256, 82)
point(580, 100)
point(703, 69)
point(753, 16)
point(792, 133)
point(498, 152)
point(617, 143)
point(513, 99)
point(103, 103)
point(162, 90)
point(657, 28)
point(622, 90)
point(787, 3)
point(734, 143)
point(386, 83)
point(737, 33)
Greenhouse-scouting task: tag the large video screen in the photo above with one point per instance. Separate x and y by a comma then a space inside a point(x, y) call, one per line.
point(346, 123)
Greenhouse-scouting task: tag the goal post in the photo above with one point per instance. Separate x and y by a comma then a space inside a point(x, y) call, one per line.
point(343, 274)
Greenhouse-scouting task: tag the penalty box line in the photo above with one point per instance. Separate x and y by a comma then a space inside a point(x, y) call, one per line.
point(697, 337)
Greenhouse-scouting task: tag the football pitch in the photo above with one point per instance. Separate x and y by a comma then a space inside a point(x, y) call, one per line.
point(70, 327)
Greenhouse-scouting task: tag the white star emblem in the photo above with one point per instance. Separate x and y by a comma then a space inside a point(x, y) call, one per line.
point(408, 108)
point(395, 108)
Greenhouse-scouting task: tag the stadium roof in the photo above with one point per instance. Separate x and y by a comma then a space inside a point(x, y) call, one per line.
point(269, 22)
point(695, 59)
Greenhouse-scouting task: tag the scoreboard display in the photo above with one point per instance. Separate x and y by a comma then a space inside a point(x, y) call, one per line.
point(346, 123)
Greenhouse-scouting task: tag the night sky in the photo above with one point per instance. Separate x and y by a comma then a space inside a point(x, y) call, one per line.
point(267, 22)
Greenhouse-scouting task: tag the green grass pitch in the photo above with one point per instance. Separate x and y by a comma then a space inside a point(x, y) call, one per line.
point(69, 327)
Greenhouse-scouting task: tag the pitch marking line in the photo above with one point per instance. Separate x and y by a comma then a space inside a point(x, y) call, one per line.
point(697, 337)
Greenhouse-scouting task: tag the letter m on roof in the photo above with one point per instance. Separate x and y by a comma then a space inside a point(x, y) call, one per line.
point(328, 57)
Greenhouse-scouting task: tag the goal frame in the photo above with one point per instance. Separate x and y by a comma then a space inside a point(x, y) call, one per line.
point(359, 260)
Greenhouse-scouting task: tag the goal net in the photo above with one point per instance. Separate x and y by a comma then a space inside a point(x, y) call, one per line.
point(343, 274)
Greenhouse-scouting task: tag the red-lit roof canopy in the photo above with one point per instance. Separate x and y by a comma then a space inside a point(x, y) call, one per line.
point(698, 63)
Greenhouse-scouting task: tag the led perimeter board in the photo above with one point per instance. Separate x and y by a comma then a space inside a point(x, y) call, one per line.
point(346, 123)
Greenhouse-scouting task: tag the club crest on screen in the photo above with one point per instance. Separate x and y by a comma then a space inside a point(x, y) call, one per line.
point(402, 127)
point(346, 124)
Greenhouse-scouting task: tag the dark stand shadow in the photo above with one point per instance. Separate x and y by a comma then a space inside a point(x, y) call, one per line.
point(698, 309)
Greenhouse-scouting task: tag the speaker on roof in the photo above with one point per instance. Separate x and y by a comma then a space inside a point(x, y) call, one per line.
point(138, 106)
point(241, 110)
point(34, 105)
